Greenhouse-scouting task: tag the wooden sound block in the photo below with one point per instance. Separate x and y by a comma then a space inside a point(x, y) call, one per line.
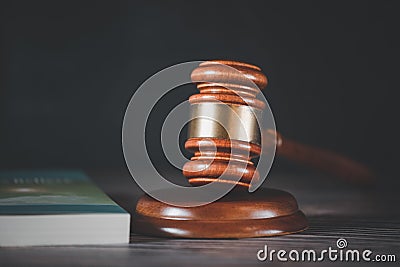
point(240, 214)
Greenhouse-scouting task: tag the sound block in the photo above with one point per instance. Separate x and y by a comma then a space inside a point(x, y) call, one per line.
point(239, 214)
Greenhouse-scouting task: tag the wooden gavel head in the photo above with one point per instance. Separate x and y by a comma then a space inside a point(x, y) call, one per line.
point(228, 91)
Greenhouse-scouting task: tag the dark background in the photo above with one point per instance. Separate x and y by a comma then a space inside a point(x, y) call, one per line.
point(69, 68)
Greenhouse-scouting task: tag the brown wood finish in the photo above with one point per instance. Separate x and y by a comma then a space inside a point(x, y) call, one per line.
point(204, 168)
point(348, 211)
point(228, 86)
point(321, 159)
point(267, 212)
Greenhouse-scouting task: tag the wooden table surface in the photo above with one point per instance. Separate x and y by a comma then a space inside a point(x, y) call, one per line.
point(367, 217)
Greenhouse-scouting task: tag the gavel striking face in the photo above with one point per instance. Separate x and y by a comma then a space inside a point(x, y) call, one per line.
point(225, 96)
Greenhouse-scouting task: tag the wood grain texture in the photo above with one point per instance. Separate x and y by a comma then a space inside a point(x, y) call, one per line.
point(321, 159)
point(213, 73)
point(334, 209)
point(267, 212)
point(208, 165)
point(232, 83)
point(229, 82)
point(239, 214)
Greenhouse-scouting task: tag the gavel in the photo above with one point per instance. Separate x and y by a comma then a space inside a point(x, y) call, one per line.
point(227, 88)
point(224, 153)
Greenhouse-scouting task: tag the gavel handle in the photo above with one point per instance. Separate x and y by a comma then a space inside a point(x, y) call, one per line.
point(323, 160)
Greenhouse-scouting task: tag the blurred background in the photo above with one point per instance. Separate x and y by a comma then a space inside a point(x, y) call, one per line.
point(69, 68)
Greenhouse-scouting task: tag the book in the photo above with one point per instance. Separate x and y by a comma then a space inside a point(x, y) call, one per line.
point(58, 208)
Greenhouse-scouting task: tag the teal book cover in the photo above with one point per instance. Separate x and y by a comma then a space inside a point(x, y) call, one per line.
point(57, 207)
point(50, 192)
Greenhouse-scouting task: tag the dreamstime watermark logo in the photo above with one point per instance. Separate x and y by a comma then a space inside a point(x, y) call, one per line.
point(339, 253)
point(134, 138)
